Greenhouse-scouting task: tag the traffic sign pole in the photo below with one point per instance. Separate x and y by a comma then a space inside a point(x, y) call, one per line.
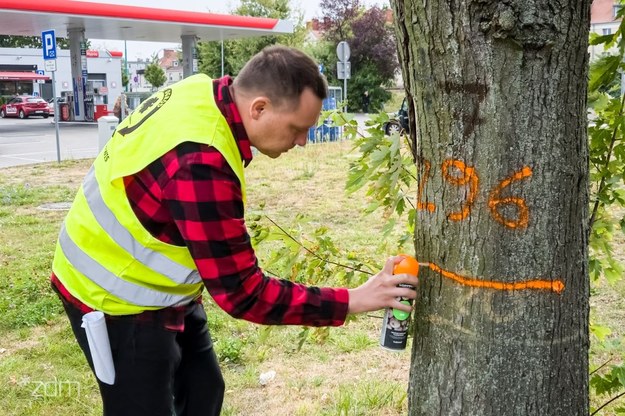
point(56, 118)
point(345, 98)
point(343, 52)
point(48, 41)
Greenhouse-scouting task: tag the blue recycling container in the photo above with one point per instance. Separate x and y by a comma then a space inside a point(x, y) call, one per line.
point(329, 104)
point(324, 132)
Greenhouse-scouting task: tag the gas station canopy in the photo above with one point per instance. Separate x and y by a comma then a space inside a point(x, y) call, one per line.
point(121, 22)
point(82, 20)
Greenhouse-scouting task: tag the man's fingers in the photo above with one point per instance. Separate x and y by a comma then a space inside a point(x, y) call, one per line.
point(390, 264)
point(403, 292)
point(401, 306)
point(406, 278)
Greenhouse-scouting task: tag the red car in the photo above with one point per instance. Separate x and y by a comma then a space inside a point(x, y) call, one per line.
point(25, 106)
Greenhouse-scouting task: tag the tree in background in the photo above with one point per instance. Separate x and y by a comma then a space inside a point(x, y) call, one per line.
point(125, 76)
point(238, 51)
point(337, 19)
point(373, 51)
point(209, 56)
point(155, 75)
point(374, 54)
point(10, 41)
point(374, 58)
point(497, 100)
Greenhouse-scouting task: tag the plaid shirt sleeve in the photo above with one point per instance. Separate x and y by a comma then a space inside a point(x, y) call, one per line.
point(203, 196)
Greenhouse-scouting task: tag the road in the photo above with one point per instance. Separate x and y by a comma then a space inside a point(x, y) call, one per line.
point(33, 140)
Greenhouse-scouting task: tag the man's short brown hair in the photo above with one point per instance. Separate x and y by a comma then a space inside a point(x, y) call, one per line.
point(281, 73)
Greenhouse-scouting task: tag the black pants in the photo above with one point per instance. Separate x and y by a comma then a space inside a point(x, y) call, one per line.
point(158, 371)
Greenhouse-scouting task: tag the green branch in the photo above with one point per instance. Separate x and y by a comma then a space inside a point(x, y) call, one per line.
point(608, 402)
point(317, 256)
point(607, 162)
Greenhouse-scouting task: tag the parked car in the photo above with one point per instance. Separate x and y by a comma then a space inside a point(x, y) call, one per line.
point(25, 106)
point(398, 121)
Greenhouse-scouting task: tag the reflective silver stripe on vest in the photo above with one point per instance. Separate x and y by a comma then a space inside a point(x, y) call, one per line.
point(152, 259)
point(135, 294)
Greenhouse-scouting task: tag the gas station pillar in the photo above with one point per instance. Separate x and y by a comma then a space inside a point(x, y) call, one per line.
point(189, 56)
point(78, 57)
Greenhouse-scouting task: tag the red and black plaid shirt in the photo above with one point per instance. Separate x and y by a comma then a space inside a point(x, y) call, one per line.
point(191, 196)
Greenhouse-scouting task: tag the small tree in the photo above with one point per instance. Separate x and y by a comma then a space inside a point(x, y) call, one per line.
point(155, 75)
point(125, 77)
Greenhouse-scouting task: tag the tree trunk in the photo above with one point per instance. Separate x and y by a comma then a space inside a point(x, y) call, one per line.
point(497, 94)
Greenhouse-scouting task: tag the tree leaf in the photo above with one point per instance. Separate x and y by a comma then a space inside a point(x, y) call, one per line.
point(600, 331)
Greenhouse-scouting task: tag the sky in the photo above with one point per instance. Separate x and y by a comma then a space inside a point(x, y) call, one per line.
point(145, 50)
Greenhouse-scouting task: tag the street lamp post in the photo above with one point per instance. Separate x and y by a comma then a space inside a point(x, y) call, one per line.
point(126, 72)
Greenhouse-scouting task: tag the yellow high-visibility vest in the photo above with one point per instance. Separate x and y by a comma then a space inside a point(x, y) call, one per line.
point(104, 256)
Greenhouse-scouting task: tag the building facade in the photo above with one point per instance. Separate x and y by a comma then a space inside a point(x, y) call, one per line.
point(104, 80)
point(603, 21)
point(136, 76)
point(169, 60)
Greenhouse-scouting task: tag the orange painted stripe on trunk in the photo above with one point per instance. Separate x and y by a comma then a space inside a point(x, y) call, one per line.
point(551, 285)
point(81, 8)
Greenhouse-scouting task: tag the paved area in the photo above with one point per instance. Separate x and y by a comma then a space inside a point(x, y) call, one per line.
point(33, 140)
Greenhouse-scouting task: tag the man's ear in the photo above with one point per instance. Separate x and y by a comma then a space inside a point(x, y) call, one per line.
point(259, 106)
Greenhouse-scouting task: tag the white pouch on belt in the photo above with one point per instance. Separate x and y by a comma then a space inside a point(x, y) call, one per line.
point(99, 346)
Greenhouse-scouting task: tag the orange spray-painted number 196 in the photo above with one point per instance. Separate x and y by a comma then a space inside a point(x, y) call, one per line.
point(459, 174)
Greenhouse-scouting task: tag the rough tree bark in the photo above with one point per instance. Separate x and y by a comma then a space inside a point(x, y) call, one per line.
point(498, 113)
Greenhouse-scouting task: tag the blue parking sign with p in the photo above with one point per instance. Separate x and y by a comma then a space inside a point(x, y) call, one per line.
point(48, 39)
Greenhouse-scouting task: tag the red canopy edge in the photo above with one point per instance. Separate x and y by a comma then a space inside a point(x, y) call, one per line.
point(82, 8)
point(21, 76)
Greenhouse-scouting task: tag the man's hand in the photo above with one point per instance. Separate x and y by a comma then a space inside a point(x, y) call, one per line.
point(381, 290)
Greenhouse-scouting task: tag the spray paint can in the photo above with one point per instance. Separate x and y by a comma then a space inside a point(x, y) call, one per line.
point(394, 332)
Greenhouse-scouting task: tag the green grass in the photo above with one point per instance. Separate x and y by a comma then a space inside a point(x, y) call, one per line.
point(342, 371)
point(366, 399)
point(45, 373)
point(28, 237)
point(393, 105)
point(42, 370)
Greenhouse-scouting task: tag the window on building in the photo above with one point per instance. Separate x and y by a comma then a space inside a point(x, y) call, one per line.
point(616, 8)
point(606, 31)
point(175, 63)
point(9, 88)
